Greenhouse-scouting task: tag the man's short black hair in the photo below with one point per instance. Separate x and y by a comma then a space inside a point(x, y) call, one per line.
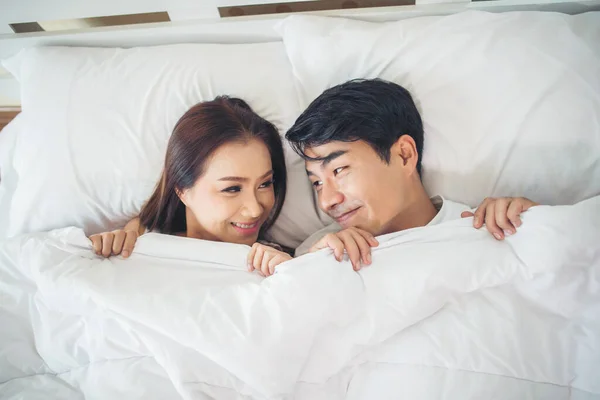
point(373, 110)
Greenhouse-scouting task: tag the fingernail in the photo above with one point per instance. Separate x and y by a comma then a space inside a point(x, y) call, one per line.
point(368, 259)
point(476, 221)
point(249, 267)
point(125, 253)
point(508, 232)
point(498, 236)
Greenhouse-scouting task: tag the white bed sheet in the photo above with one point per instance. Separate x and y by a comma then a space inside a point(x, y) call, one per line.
point(443, 312)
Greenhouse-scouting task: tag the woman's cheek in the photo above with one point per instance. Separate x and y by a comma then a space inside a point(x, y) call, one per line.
point(269, 201)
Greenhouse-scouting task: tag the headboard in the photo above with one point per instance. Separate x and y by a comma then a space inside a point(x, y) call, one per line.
point(115, 23)
point(7, 114)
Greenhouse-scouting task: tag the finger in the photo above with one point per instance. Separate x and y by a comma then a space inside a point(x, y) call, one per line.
point(258, 257)
point(368, 237)
point(321, 244)
point(515, 209)
point(250, 258)
point(335, 244)
point(527, 204)
point(130, 239)
point(466, 214)
point(275, 261)
point(480, 214)
point(501, 211)
point(118, 241)
point(363, 247)
point(107, 241)
point(264, 265)
point(490, 221)
point(352, 249)
point(96, 244)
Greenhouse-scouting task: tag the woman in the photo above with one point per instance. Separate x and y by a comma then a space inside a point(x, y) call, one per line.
point(224, 179)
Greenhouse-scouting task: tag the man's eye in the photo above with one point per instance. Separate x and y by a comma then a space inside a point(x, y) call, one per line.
point(232, 189)
point(338, 170)
point(316, 184)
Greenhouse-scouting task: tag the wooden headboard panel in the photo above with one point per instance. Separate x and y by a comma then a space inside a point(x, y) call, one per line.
point(7, 114)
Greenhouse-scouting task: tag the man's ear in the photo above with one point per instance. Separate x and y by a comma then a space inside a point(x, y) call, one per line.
point(405, 149)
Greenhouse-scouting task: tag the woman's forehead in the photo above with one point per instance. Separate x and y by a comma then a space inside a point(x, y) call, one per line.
point(243, 159)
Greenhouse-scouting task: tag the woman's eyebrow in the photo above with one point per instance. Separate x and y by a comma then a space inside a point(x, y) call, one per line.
point(234, 179)
point(243, 179)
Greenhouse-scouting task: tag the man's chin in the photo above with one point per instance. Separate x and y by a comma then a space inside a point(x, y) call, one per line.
point(360, 225)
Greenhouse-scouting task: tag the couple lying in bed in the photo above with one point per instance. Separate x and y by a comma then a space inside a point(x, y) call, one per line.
point(224, 177)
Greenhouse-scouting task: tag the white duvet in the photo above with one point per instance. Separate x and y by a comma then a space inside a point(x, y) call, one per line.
point(444, 312)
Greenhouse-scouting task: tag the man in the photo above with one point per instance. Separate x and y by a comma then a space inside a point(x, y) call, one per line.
point(362, 142)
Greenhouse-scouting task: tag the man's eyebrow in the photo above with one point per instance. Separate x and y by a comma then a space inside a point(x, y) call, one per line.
point(329, 157)
point(241, 179)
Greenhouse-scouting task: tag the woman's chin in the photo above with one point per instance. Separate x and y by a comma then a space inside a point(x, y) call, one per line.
point(248, 240)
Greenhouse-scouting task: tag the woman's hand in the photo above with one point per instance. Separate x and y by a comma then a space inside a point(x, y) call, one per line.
point(120, 241)
point(264, 259)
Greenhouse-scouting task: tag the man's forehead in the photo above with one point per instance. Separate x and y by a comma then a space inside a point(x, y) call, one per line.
point(324, 150)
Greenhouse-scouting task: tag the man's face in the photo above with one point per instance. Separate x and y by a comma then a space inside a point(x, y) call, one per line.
point(359, 189)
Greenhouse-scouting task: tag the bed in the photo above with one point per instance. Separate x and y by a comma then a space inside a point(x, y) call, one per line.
point(510, 97)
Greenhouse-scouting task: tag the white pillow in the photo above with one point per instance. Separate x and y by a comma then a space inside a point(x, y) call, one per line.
point(98, 121)
point(8, 178)
point(510, 102)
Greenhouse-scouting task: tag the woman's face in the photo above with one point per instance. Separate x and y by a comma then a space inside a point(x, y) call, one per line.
point(234, 196)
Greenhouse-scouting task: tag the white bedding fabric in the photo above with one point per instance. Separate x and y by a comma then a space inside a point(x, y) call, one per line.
point(444, 312)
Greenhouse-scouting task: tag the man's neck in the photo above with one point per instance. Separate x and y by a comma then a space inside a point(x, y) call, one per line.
point(419, 212)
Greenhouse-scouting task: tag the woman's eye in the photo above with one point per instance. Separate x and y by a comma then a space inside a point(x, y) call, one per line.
point(267, 184)
point(316, 184)
point(232, 189)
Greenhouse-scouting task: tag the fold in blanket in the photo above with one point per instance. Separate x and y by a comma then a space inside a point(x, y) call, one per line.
point(191, 307)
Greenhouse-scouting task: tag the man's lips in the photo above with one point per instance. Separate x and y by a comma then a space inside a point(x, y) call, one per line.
point(346, 216)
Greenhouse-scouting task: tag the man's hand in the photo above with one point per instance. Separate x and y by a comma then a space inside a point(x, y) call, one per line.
point(117, 242)
point(264, 259)
point(501, 215)
point(356, 242)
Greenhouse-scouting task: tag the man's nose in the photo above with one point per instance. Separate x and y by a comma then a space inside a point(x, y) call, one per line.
point(330, 197)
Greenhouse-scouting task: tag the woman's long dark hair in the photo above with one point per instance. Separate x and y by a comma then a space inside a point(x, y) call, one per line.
point(197, 135)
